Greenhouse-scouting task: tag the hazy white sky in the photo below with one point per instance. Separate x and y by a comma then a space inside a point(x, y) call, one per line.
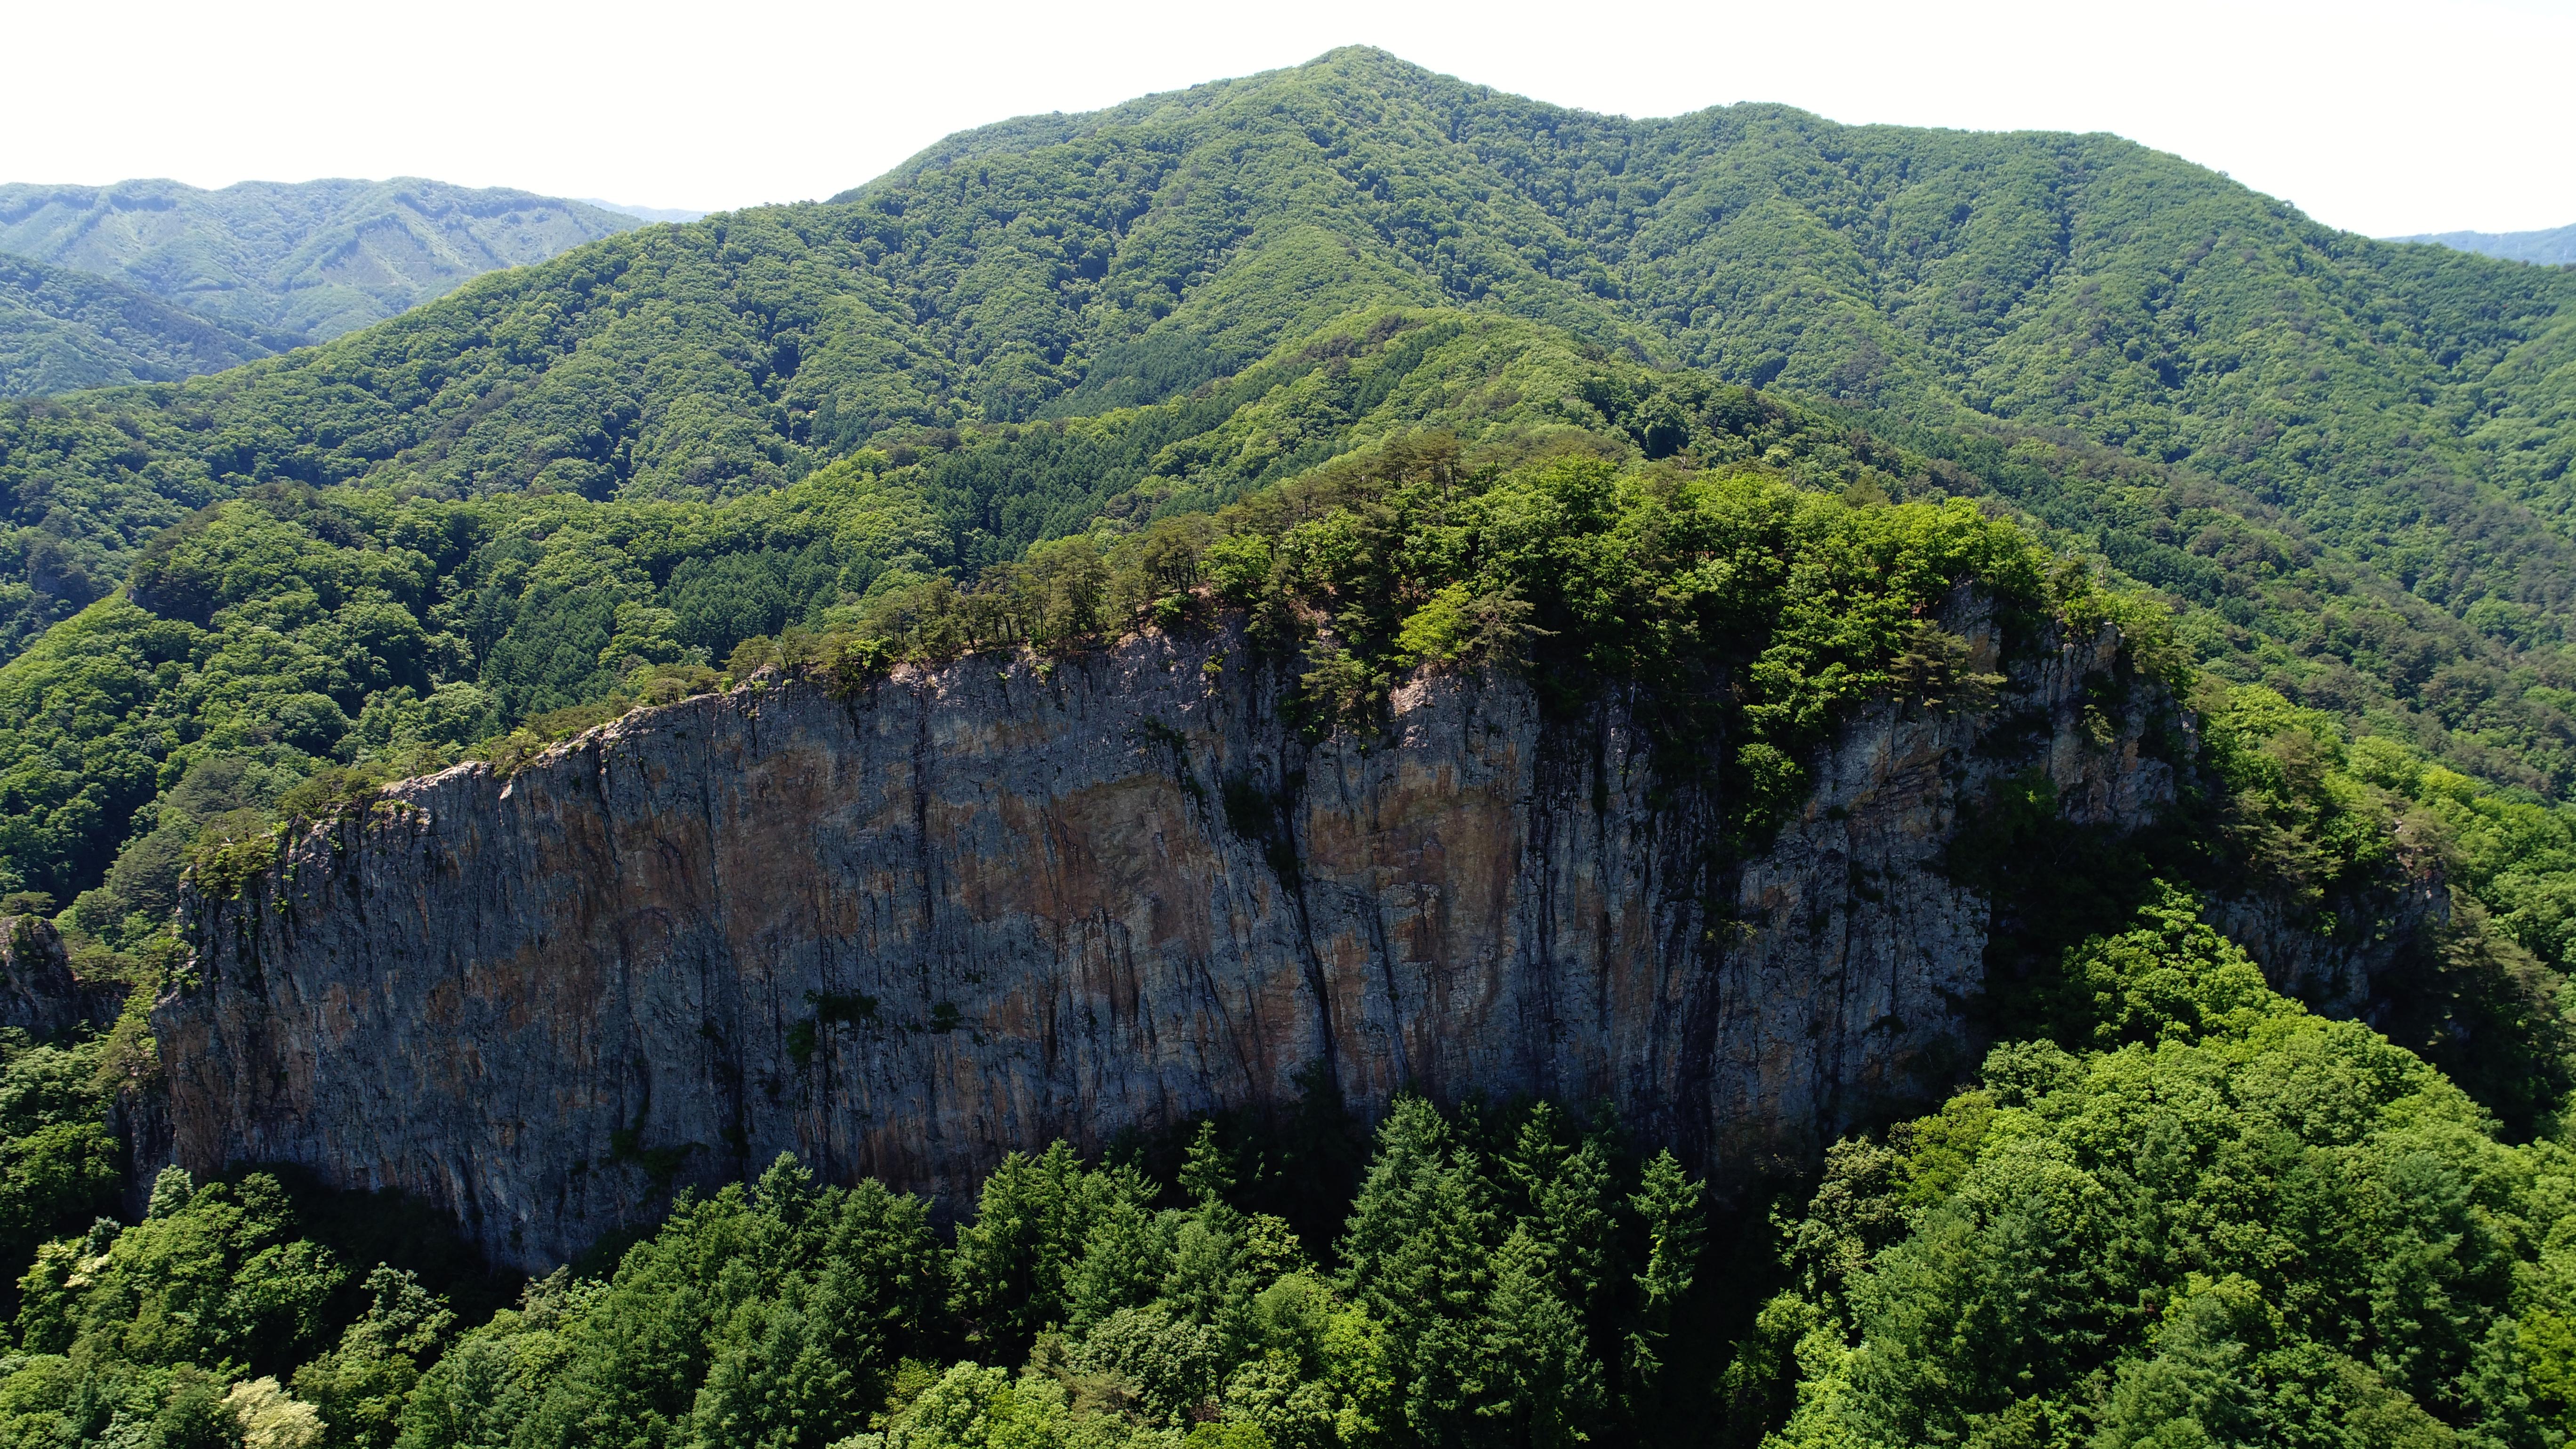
point(2380, 117)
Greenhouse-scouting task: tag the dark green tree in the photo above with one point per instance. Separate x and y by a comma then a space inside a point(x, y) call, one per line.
point(1669, 1206)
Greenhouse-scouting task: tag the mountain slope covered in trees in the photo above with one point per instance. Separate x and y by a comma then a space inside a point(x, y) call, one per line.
point(2076, 281)
point(62, 329)
point(297, 260)
point(1225, 258)
point(2404, 411)
point(1416, 375)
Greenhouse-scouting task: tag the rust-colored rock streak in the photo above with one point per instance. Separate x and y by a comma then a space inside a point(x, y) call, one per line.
point(986, 906)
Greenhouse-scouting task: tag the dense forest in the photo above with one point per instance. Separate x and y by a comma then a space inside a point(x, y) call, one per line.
point(1405, 375)
point(2369, 438)
point(62, 329)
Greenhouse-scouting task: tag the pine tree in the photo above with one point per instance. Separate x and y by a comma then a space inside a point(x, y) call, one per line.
point(1568, 1198)
point(772, 1386)
point(1013, 1264)
point(1416, 1255)
point(878, 1293)
point(1123, 1263)
point(1541, 1385)
point(1207, 1174)
point(1667, 1202)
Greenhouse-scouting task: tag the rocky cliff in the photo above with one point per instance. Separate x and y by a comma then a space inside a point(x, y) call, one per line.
point(977, 908)
point(39, 995)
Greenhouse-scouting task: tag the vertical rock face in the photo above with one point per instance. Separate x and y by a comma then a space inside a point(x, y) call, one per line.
point(983, 907)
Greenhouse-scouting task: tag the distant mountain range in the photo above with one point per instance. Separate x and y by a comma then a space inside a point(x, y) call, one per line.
point(648, 213)
point(251, 269)
point(2549, 248)
point(62, 329)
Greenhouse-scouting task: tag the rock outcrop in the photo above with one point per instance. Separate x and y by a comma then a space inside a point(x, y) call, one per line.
point(981, 907)
point(39, 995)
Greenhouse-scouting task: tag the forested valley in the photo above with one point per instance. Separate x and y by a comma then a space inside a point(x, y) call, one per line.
point(1407, 377)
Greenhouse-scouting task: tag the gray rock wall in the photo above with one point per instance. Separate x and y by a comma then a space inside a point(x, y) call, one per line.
point(38, 992)
point(983, 907)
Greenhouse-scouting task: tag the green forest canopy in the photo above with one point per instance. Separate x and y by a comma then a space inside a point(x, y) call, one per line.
point(2401, 412)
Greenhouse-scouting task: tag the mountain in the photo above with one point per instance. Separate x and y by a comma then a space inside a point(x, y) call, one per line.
point(2556, 248)
point(2400, 417)
point(61, 330)
point(311, 259)
point(2398, 402)
point(1450, 773)
point(647, 213)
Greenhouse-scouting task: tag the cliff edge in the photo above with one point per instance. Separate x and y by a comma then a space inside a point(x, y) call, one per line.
point(980, 907)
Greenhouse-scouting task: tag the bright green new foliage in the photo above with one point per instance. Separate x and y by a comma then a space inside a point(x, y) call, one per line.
point(2246, 1225)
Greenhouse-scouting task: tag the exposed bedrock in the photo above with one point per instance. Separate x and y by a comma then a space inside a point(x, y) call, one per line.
point(39, 995)
point(982, 907)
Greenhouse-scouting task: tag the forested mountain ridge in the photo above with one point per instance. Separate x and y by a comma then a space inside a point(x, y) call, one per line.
point(303, 261)
point(2554, 247)
point(62, 329)
point(2405, 407)
point(2078, 281)
point(314, 626)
